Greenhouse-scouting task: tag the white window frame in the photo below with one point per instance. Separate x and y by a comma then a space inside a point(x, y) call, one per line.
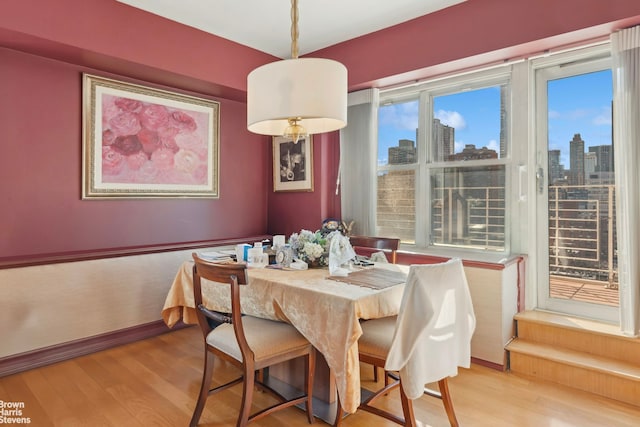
point(424, 93)
point(562, 65)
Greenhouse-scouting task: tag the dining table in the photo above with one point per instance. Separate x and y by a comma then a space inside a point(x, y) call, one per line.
point(327, 310)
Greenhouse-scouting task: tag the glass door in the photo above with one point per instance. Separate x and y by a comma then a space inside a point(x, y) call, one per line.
point(577, 266)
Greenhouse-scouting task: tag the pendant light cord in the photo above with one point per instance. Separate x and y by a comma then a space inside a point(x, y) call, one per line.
point(294, 29)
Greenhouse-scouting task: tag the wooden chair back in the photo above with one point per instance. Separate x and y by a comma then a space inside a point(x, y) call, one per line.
point(233, 275)
point(386, 244)
point(251, 360)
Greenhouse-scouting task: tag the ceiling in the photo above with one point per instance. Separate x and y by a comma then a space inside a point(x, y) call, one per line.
point(265, 25)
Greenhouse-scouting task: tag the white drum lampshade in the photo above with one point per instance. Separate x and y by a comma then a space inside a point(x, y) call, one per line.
point(313, 91)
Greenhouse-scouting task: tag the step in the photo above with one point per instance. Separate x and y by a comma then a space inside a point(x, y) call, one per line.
point(580, 353)
point(577, 359)
point(574, 333)
point(600, 375)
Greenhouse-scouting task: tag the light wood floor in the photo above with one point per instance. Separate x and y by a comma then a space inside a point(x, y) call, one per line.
point(155, 382)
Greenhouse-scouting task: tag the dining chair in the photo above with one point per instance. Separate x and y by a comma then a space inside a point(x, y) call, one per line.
point(426, 343)
point(248, 342)
point(386, 244)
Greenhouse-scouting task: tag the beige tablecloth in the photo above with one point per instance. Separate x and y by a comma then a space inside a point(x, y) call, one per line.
point(325, 311)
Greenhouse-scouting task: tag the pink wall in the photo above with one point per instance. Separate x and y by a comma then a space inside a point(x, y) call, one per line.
point(40, 109)
point(476, 32)
point(115, 37)
point(40, 169)
point(41, 139)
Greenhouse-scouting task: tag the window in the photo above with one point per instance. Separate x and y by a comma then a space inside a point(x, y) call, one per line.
point(442, 162)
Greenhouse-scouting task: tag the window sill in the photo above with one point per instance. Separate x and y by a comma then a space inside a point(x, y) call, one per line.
point(470, 257)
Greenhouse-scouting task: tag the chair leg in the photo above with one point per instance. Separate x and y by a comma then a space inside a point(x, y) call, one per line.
point(407, 409)
point(375, 376)
point(311, 369)
point(204, 387)
point(446, 400)
point(247, 394)
point(339, 414)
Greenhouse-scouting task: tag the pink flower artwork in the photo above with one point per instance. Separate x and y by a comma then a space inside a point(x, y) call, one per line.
point(149, 143)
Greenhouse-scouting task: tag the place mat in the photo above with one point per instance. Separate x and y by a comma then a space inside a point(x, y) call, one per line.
point(376, 278)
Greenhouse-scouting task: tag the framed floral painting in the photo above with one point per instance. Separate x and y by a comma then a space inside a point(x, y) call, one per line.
point(292, 164)
point(144, 142)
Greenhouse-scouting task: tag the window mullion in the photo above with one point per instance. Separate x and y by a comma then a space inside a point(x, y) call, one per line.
point(422, 173)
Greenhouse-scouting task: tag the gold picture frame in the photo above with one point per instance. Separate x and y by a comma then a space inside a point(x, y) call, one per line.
point(292, 164)
point(141, 142)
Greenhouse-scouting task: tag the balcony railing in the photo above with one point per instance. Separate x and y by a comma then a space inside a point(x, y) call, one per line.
point(582, 241)
point(469, 216)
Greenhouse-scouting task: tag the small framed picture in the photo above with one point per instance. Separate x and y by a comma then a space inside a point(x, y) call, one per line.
point(292, 164)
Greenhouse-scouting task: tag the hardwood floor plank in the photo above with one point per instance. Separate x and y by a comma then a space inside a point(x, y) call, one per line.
point(53, 403)
point(142, 401)
point(15, 389)
point(155, 383)
point(95, 395)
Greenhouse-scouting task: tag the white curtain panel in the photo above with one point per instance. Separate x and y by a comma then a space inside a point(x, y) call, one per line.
point(626, 129)
point(358, 161)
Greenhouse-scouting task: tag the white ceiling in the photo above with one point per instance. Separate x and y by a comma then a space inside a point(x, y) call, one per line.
point(265, 25)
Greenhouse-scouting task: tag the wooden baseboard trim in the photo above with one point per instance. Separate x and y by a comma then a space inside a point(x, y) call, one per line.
point(487, 364)
point(60, 352)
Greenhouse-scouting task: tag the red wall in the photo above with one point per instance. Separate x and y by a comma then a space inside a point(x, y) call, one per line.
point(45, 46)
point(111, 36)
point(40, 173)
point(476, 32)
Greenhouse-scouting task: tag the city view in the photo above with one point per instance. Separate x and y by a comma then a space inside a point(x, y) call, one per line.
point(467, 203)
point(581, 193)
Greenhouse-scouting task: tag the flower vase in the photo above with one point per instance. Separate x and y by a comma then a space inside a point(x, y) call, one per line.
point(322, 261)
point(314, 264)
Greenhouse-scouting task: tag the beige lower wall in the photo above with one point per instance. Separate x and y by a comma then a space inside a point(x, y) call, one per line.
point(52, 304)
point(58, 303)
point(494, 295)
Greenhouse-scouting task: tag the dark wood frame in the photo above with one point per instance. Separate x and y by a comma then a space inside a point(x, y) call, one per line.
point(386, 244)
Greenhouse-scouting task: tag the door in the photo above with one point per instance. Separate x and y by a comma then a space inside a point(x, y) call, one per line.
point(575, 201)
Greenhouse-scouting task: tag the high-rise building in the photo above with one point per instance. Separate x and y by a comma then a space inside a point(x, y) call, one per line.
point(590, 164)
point(443, 141)
point(604, 156)
point(470, 152)
point(404, 153)
point(556, 169)
point(503, 121)
point(576, 157)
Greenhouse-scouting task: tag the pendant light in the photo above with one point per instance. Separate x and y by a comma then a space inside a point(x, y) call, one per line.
point(298, 96)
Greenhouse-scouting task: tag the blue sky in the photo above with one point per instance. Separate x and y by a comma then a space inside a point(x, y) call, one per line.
point(580, 104)
point(576, 105)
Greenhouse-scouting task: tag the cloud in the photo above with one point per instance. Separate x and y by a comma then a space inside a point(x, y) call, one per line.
point(458, 146)
point(579, 113)
point(604, 118)
point(400, 116)
point(451, 118)
point(493, 145)
point(599, 118)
